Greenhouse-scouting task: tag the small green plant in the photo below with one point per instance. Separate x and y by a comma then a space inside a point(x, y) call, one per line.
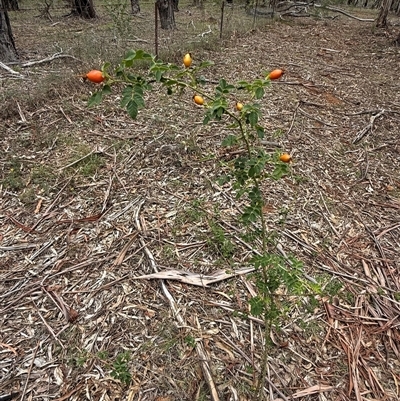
point(13, 174)
point(195, 212)
point(220, 241)
point(103, 355)
point(28, 197)
point(120, 368)
point(86, 162)
point(79, 358)
point(333, 287)
point(190, 341)
point(247, 174)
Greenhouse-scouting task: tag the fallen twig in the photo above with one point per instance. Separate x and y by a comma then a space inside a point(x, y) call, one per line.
point(360, 134)
point(316, 118)
point(29, 372)
point(206, 32)
point(48, 59)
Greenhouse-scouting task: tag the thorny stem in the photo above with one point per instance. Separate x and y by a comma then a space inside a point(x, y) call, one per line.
point(267, 321)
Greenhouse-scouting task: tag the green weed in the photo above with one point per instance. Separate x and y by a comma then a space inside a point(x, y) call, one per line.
point(120, 368)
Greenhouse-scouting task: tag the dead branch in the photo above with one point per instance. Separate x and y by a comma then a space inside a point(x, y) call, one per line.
point(55, 56)
point(338, 10)
point(10, 70)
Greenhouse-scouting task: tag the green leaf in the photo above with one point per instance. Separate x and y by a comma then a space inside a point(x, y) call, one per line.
point(127, 63)
point(260, 131)
point(138, 89)
point(257, 166)
point(170, 82)
point(142, 55)
point(158, 75)
point(126, 95)
point(106, 90)
point(250, 214)
point(219, 112)
point(105, 67)
point(256, 305)
point(201, 80)
point(230, 140)
point(131, 77)
point(281, 169)
point(205, 64)
point(138, 98)
point(260, 261)
point(130, 55)
point(242, 85)
point(223, 179)
point(207, 118)
point(252, 118)
point(259, 93)
point(132, 109)
point(223, 87)
point(95, 99)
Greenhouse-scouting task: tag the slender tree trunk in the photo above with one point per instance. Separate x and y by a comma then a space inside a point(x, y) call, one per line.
point(166, 13)
point(8, 52)
point(11, 5)
point(83, 8)
point(381, 22)
point(135, 7)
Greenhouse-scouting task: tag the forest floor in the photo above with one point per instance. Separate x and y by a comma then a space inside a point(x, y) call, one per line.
point(91, 199)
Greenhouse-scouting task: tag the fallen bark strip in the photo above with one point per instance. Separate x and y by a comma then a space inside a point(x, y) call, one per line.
point(317, 389)
point(196, 279)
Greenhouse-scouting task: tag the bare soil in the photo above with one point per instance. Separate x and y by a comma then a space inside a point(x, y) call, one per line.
point(91, 199)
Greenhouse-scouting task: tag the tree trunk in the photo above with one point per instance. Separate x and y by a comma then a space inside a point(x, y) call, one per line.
point(135, 7)
point(83, 8)
point(166, 13)
point(8, 52)
point(381, 22)
point(11, 5)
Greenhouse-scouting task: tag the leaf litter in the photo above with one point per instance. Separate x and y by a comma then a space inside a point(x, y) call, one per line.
point(75, 253)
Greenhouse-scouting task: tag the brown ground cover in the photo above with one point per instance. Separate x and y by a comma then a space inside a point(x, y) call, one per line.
point(91, 199)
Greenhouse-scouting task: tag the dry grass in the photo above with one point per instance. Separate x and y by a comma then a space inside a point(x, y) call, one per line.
point(89, 197)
